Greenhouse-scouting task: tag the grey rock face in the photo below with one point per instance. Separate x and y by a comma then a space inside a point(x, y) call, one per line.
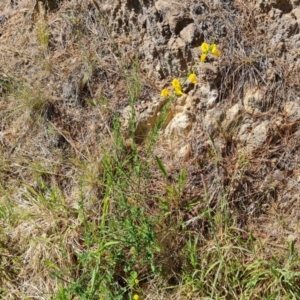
point(176, 15)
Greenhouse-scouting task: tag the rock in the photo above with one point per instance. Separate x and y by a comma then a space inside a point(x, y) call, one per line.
point(295, 3)
point(212, 98)
point(243, 133)
point(285, 26)
point(164, 29)
point(191, 35)
point(213, 119)
point(283, 5)
point(188, 86)
point(180, 122)
point(296, 13)
point(145, 114)
point(253, 135)
point(205, 95)
point(253, 101)
point(275, 13)
point(259, 135)
point(232, 118)
point(292, 110)
point(177, 46)
point(178, 53)
point(178, 106)
point(179, 127)
point(3, 19)
point(183, 151)
point(210, 74)
point(175, 14)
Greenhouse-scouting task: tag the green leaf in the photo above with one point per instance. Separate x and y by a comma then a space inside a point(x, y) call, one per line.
point(51, 264)
point(91, 102)
point(161, 166)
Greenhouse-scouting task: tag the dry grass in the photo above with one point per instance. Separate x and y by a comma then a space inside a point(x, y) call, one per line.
point(83, 210)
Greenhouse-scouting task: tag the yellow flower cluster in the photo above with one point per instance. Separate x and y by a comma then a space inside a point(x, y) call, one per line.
point(208, 49)
point(192, 78)
point(164, 92)
point(177, 86)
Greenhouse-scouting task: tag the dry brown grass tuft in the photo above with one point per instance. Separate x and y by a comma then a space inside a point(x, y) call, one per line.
point(82, 208)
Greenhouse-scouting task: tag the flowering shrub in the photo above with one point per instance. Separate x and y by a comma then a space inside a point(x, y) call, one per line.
point(177, 86)
point(208, 49)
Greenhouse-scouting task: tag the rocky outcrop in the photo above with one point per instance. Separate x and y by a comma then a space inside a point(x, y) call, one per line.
point(239, 120)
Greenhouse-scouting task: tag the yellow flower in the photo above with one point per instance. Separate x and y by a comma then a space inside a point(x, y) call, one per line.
point(176, 84)
point(177, 87)
point(136, 297)
point(205, 48)
point(192, 78)
point(136, 281)
point(214, 50)
point(178, 92)
point(164, 92)
point(203, 57)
